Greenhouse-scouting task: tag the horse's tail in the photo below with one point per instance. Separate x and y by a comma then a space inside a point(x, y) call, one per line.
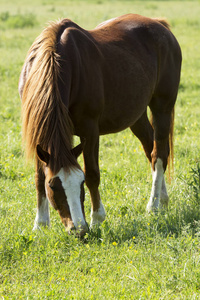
point(164, 22)
point(170, 162)
point(43, 112)
point(171, 145)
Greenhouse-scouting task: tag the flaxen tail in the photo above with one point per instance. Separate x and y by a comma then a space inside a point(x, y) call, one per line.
point(163, 21)
point(170, 162)
point(171, 146)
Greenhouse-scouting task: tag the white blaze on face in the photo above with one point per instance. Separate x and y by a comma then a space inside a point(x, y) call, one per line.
point(71, 183)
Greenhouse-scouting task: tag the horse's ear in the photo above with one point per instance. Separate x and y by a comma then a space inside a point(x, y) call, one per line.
point(76, 151)
point(43, 155)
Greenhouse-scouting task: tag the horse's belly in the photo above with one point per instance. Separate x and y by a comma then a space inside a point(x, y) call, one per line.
point(112, 123)
point(111, 127)
point(123, 109)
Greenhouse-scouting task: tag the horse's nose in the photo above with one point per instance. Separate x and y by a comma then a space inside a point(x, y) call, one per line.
point(79, 232)
point(82, 230)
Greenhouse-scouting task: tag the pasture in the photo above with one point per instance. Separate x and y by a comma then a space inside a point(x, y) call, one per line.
point(132, 255)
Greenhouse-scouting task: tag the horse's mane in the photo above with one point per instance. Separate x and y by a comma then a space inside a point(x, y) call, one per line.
point(45, 118)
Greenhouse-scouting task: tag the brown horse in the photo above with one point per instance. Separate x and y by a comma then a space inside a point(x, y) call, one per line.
point(90, 83)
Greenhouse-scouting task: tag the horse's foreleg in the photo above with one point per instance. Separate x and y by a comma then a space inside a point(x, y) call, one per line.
point(92, 177)
point(42, 215)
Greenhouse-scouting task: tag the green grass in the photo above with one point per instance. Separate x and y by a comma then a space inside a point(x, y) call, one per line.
point(132, 255)
point(17, 21)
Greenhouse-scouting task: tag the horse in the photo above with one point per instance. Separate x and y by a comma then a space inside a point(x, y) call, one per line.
point(90, 83)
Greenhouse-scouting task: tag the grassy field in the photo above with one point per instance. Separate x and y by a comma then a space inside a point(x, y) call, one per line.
point(132, 255)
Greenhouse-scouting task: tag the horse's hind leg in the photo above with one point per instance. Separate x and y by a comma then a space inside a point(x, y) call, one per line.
point(42, 215)
point(145, 133)
point(159, 156)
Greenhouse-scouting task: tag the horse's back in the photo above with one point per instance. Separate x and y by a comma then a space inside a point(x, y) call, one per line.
point(118, 67)
point(142, 57)
point(138, 34)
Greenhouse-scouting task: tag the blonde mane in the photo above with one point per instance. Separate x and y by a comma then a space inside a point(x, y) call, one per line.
point(45, 118)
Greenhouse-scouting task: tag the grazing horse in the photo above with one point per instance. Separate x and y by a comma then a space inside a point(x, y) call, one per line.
point(91, 83)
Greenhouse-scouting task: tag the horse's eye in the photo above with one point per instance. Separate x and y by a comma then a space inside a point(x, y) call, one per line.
point(52, 188)
point(51, 185)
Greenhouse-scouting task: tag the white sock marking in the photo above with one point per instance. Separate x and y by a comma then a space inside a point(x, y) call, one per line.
point(98, 216)
point(158, 176)
point(164, 198)
point(42, 215)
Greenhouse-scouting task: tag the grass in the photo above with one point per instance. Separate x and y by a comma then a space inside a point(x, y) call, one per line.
point(17, 21)
point(132, 255)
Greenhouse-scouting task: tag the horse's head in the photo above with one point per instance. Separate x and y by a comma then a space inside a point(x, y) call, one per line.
point(65, 191)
